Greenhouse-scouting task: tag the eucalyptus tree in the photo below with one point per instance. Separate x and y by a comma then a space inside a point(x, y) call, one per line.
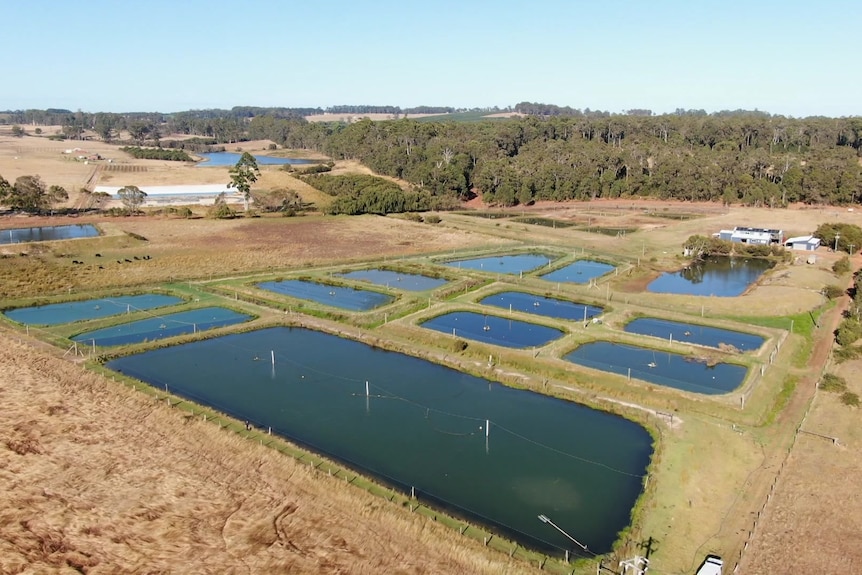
point(242, 175)
point(132, 197)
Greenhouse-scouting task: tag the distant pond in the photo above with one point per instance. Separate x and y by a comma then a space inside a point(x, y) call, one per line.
point(511, 264)
point(580, 272)
point(714, 276)
point(57, 313)
point(423, 425)
point(493, 329)
point(230, 159)
point(694, 333)
point(541, 305)
point(163, 326)
point(660, 367)
point(47, 233)
point(336, 296)
point(396, 280)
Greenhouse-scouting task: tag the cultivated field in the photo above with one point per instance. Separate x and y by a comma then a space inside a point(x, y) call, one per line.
point(164, 492)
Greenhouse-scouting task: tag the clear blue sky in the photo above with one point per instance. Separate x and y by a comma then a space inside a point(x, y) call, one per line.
point(785, 57)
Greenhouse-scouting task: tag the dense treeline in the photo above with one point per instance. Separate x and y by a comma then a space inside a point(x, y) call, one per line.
point(394, 110)
point(754, 159)
point(363, 194)
point(157, 154)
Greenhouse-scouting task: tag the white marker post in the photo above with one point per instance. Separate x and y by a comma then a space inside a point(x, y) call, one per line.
point(272, 355)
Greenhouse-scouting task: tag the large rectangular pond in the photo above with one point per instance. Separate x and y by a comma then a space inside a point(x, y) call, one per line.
point(660, 367)
point(161, 327)
point(580, 272)
point(58, 313)
point(493, 329)
point(336, 296)
point(230, 159)
point(693, 333)
point(397, 280)
point(47, 233)
point(714, 276)
point(540, 305)
point(422, 425)
point(512, 264)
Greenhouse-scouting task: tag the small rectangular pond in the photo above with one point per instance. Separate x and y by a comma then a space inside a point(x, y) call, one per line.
point(161, 327)
point(511, 264)
point(422, 425)
point(713, 276)
point(336, 296)
point(659, 367)
point(58, 313)
point(580, 272)
point(48, 233)
point(540, 305)
point(396, 280)
point(693, 333)
point(493, 329)
point(216, 159)
point(546, 222)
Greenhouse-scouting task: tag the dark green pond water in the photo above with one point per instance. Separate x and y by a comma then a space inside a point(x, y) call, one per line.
point(580, 272)
point(693, 333)
point(660, 367)
point(547, 222)
point(715, 276)
point(163, 326)
point(57, 313)
point(47, 233)
point(335, 296)
point(493, 329)
point(513, 264)
point(540, 305)
point(423, 425)
point(396, 280)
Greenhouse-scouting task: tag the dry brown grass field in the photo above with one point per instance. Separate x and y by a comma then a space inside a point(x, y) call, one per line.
point(97, 478)
point(159, 492)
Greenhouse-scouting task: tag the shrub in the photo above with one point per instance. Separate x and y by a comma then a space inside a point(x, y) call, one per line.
point(847, 353)
point(432, 219)
point(842, 266)
point(832, 291)
point(413, 217)
point(459, 345)
point(848, 332)
point(833, 383)
point(850, 398)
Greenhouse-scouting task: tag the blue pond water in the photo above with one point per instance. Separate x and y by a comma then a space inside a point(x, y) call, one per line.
point(693, 333)
point(57, 313)
point(513, 264)
point(492, 329)
point(396, 280)
point(335, 296)
point(663, 368)
point(47, 233)
point(422, 425)
point(230, 159)
point(580, 272)
point(717, 276)
point(540, 305)
point(164, 326)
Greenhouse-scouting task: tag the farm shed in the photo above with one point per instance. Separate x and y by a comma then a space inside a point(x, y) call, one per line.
point(806, 243)
point(742, 235)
